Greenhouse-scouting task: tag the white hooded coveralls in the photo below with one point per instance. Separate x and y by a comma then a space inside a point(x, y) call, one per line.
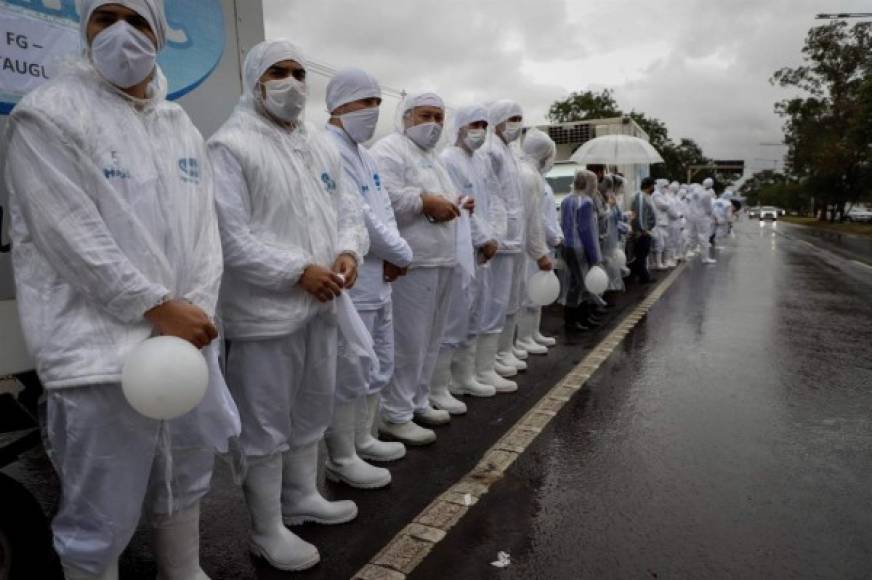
point(283, 203)
point(420, 297)
point(472, 178)
point(112, 210)
point(371, 294)
point(509, 266)
point(543, 233)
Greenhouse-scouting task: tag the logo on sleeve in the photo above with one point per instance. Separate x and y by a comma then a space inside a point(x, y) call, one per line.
point(189, 170)
point(328, 182)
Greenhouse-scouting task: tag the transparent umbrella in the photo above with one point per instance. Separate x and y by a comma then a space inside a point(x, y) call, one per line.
point(616, 150)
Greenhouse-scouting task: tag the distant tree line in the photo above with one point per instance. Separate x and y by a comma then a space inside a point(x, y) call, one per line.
point(827, 129)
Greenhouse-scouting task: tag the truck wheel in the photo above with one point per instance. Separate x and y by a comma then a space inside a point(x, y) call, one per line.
point(25, 538)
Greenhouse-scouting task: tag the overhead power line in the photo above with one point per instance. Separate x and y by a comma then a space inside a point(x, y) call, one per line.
point(329, 72)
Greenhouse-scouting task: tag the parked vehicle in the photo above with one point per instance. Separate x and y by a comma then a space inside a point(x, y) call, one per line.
point(561, 178)
point(859, 214)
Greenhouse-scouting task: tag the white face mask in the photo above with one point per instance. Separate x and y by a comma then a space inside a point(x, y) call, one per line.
point(474, 138)
point(512, 130)
point(425, 135)
point(123, 55)
point(360, 125)
point(285, 98)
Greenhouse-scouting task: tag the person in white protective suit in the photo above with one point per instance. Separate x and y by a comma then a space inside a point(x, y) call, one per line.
point(684, 209)
point(722, 211)
point(660, 235)
point(676, 215)
point(469, 167)
point(524, 235)
point(293, 235)
point(426, 205)
point(454, 373)
point(115, 239)
point(353, 100)
point(539, 154)
point(616, 229)
point(700, 218)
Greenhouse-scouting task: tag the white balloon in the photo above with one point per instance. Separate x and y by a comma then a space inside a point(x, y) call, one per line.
point(543, 288)
point(620, 258)
point(164, 377)
point(596, 281)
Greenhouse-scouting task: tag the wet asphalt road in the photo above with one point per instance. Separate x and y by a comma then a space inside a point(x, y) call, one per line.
point(729, 437)
point(846, 246)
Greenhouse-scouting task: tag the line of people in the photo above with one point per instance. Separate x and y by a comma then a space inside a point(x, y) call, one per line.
point(357, 290)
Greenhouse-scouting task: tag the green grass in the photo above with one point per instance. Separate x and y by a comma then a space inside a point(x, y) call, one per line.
point(864, 229)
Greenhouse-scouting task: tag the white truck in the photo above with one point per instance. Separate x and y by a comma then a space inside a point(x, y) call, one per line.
point(207, 43)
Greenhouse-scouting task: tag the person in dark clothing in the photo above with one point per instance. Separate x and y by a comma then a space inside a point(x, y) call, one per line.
point(643, 222)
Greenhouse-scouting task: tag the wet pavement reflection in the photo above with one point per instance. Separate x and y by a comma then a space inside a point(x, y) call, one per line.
point(730, 436)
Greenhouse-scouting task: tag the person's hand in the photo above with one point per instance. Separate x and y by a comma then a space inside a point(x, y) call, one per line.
point(183, 320)
point(438, 209)
point(346, 266)
point(392, 271)
point(468, 203)
point(545, 264)
point(489, 250)
point(321, 283)
point(611, 200)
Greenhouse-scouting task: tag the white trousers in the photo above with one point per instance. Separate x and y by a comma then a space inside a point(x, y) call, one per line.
point(352, 381)
point(463, 322)
point(496, 293)
point(112, 462)
point(284, 387)
point(700, 232)
point(518, 283)
point(420, 301)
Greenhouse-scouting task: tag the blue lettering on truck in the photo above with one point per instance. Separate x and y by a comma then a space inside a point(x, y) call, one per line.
point(195, 41)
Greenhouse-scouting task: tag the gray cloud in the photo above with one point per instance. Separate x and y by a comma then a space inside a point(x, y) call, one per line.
point(700, 66)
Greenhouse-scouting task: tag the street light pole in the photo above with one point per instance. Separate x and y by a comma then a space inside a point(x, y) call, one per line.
point(844, 15)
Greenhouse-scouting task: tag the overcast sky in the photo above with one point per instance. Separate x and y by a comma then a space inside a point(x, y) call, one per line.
point(702, 67)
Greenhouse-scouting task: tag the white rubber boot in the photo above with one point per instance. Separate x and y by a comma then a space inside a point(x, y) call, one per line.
point(485, 359)
point(463, 374)
point(270, 539)
point(503, 369)
point(440, 396)
point(505, 356)
point(658, 261)
point(537, 333)
point(526, 322)
point(409, 432)
point(368, 447)
point(301, 500)
point(343, 465)
point(110, 573)
point(433, 417)
point(177, 545)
